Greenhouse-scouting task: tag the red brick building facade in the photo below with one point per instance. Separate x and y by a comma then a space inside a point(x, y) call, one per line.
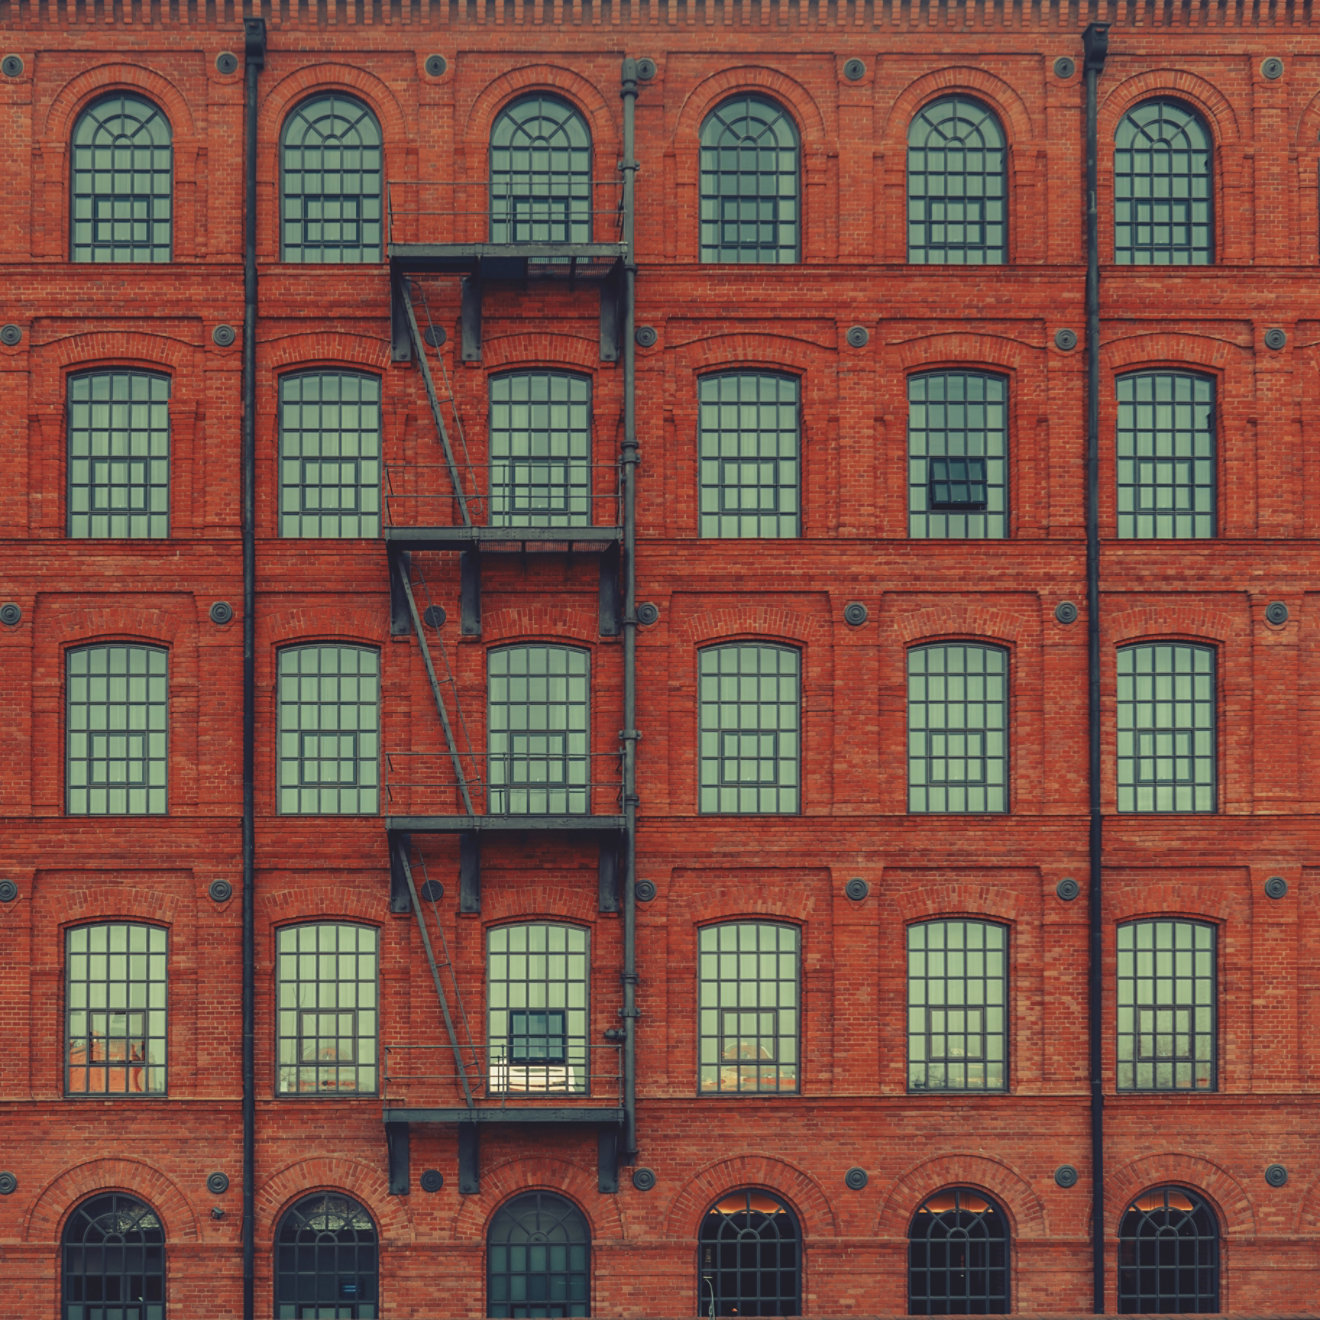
point(664, 879)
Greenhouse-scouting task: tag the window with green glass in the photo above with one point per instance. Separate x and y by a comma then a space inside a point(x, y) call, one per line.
point(540, 172)
point(540, 449)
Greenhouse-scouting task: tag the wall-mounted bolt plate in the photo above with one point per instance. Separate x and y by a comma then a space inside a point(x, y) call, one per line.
point(223, 336)
point(1067, 889)
point(221, 891)
point(854, 69)
point(1065, 66)
point(857, 889)
point(436, 65)
point(1065, 1175)
point(1276, 887)
point(226, 62)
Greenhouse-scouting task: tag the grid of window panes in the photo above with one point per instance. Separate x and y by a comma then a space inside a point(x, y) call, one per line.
point(537, 976)
point(113, 1251)
point(957, 454)
point(122, 182)
point(116, 986)
point(1162, 187)
point(750, 1257)
point(958, 1255)
point(326, 1008)
point(1166, 727)
point(749, 183)
point(1165, 454)
point(540, 173)
point(748, 1007)
point(330, 454)
point(537, 739)
point(957, 1001)
point(1168, 1254)
point(538, 1258)
point(957, 728)
point(330, 182)
point(329, 730)
point(957, 185)
point(1166, 1006)
point(749, 715)
point(117, 716)
point(540, 450)
point(748, 428)
point(326, 1260)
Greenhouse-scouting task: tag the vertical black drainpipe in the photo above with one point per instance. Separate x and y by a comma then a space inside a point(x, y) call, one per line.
point(254, 39)
point(1095, 41)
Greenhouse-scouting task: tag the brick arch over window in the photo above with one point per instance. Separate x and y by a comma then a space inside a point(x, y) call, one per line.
point(540, 352)
point(555, 625)
point(1180, 352)
point(584, 96)
point(500, 1181)
point(365, 1185)
point(787, 354)
point(79, 92)
point(327, 350)
point(1222, 1192)
point(1010, 1188)
point(62, 1195)
point(970, 622)
point(153, 352)
point(964, 351)
point(397, 121)
point(959, 897)
point(770, 624)
point(796, 1188)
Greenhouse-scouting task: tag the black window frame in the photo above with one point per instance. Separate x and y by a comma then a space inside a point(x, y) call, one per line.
point(746, 1263)
point(551, 1219)
point(320, 1229)
point(1182, 1249)
point(946, 1283)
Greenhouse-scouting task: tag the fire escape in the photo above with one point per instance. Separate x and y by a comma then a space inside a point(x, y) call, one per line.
point(532, 229)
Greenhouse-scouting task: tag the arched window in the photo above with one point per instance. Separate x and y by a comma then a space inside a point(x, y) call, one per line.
point(1163, 187)
point(122, 183)
point(330, 182)
point(114, 1261)
point(750, 182)
point(1168, 1254)
point(326, 1260)
point(957, 185)
point(538, 1258)
point(540, 172)
point(958, 1255)
point(957, 1002)
point(116, 730)
point(1164, 451)
point(750, 1257)
point(537, 1001)
point(540, 449)
point(957, 727)
point(749, 722)
point(957, 454)
point(1165, 1006)
point(1166, 727)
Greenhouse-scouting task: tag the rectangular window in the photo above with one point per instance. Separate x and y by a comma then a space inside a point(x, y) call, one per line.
point(748, 438)
point(1165, 455)
point(115, 1009)
point(330, 465)
point(957, 1002)
point(957, 455)
point(748, 987)
point(326, 1007)
point(119, 454)
point(1166, 1006)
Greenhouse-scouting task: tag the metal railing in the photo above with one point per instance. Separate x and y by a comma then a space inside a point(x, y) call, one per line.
point(524, 781)
point(425, 1076)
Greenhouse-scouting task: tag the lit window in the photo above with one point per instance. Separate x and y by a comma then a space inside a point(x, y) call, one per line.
point(113, 1261)
point(958, 1255)
point(748, 977)
point(538, 1258)
point(330, 182)
point(957, 454)
point(326, 1260)
point(1166, 1006)
point(957, 185)
point(1165, 454)
point(540, 173)
point(537, 730)
point(330, 454)
point(751, 1257)
point(540, 450)
point(123, 167)
point(119, 454)
point(748, 441)
point(957, 728)
point(1166, 727)
point(749, 728)
point(329, 730)
point(1168, 1254)
point(117, 708)
point(749, 183)
point(957, 996)
point(1162, 187)
point(326, 1004)
point(537, 979)
point(115, 1007)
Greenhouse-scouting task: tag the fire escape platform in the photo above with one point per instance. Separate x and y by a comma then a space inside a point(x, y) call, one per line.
point(498, 261)
point(462, 823)
point(490, 538)
point(560, 1114)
